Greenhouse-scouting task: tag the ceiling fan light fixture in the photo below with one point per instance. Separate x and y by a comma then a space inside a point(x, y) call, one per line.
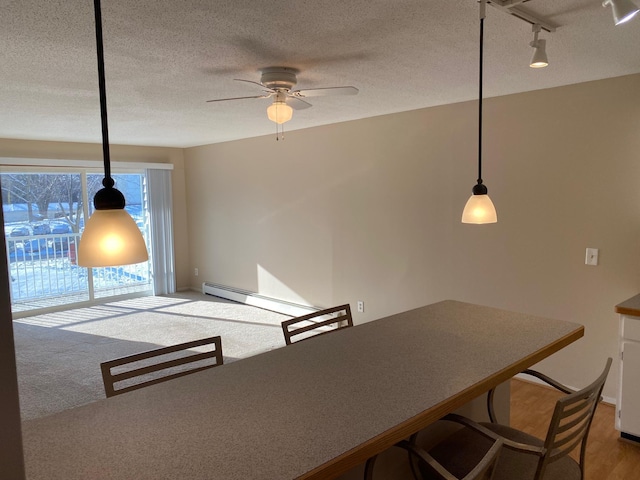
point(277, 83)
point(623, 10)
point(279, 112)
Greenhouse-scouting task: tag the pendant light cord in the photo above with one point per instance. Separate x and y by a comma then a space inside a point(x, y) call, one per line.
point(482, 15)
point(107, 181)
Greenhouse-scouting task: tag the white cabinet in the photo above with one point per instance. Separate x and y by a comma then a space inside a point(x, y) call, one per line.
point(628, 417)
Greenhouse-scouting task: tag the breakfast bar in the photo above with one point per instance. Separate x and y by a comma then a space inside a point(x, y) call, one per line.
point(311, 410)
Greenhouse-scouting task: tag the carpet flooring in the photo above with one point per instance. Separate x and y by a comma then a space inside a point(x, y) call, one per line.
point(59, 354)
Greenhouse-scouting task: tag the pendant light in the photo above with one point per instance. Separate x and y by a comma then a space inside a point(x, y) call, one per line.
point(110, 237)
point(479, 208)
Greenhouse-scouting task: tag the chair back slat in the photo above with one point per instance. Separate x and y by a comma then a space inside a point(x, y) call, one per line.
point(572, 437)
point(159, 380)
point(576, 418)
point(316, 323)
point(119, 377)
point(580, 405)
point(127, 369)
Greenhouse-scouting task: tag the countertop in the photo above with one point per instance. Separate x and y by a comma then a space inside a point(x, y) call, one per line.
point(311, 410)
point(630, 306)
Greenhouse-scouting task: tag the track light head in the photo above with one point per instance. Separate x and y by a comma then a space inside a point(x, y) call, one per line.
point(623, 10)
point(539, 59)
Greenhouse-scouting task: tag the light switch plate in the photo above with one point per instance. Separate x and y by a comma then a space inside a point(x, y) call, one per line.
point(591, 257)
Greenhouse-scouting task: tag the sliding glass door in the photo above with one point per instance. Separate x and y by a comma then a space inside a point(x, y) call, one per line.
point(44, 215)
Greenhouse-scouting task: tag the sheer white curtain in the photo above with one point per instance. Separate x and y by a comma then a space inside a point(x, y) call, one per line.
point(161, 227)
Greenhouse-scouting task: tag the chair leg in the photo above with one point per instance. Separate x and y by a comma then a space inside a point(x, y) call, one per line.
point(490, 410)
point(368, 468)
point(412, 462)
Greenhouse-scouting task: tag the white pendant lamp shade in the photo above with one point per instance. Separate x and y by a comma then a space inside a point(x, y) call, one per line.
point(279, 112)
point(479, 209)
point(623, 10)
point(111, 237)
point(539, 59)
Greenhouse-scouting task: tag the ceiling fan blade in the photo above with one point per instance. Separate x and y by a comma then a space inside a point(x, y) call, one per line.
point(238, 98)
point(297, 103)
point(316, 92)
point(261, 85)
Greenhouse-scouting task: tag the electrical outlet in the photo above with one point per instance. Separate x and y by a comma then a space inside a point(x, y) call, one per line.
point(195, 272)
point(361, 306)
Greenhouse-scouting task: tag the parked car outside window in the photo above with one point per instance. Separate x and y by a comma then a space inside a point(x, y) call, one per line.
point(20, 231)
point(58, 228)
point(41, 229)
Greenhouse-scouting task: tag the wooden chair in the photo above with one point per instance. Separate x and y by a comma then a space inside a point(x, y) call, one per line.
point(523, 456)
point(174, 362)
point(310, 324)
point(430, 468)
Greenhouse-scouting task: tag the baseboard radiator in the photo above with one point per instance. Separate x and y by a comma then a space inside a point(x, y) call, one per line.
point(257, 300)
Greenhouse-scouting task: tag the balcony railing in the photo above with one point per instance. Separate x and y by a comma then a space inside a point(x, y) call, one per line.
point(44, 273)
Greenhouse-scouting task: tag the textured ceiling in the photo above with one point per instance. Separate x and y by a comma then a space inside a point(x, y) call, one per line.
point(165, 58)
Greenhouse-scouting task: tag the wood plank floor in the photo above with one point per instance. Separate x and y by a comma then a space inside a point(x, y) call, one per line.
point(608, 457)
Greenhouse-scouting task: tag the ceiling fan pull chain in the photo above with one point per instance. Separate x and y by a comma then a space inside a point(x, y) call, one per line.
point(279, 133)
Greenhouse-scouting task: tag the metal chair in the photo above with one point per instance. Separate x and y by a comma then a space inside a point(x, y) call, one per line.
point(140, 367)
point(312, 325)
point(430, 468)
point(525, 457)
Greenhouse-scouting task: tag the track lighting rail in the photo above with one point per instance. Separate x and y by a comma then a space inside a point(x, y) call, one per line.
point(510, 7)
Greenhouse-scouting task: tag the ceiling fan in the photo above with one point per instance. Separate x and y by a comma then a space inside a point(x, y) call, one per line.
point(277, 83)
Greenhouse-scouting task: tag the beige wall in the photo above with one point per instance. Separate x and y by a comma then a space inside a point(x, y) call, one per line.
point(334, 214)
point(369, 210)
point(85, 151)
point(564, 170)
